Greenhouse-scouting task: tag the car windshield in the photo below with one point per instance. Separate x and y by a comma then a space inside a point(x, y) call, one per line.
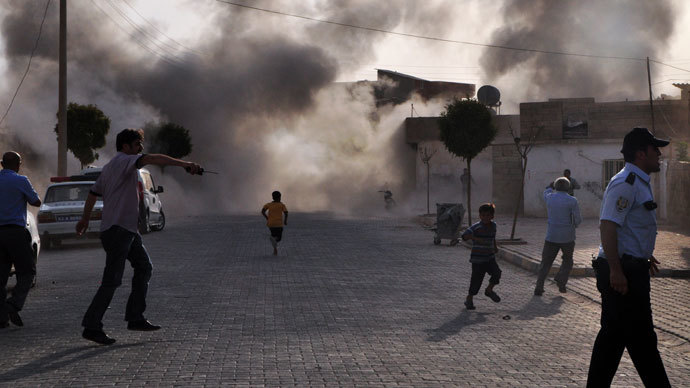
point(76, 192)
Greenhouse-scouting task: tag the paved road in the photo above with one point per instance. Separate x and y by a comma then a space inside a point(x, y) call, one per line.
point(366, 302)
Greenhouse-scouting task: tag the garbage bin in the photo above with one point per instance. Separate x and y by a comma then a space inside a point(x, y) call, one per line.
point(448, 222)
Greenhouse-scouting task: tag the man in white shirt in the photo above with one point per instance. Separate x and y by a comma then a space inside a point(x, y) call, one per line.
point(120, 237)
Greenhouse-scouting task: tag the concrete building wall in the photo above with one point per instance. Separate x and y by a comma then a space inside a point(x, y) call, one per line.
point(678, 192)
point(585, 160)
point(445, 170)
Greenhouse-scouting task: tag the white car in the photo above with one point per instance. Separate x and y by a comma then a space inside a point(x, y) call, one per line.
point(151, 216)
point(62, 208)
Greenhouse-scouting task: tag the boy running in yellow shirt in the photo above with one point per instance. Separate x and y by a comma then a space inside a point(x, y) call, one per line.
point(274, 219)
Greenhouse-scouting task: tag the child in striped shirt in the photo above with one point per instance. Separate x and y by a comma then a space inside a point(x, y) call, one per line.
point(483, 256)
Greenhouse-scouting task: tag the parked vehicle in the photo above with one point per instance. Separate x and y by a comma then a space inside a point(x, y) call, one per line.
point(151, 215)
point(62, 208)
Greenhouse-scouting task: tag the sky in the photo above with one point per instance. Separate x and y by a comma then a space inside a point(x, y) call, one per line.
point(264, 94)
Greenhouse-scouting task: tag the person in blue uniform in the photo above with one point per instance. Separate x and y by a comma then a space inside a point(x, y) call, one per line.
point(624, 266)
point(15, 240)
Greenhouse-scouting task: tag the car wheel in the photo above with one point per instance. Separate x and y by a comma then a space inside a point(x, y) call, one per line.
point(161, 223)
point(144, 225)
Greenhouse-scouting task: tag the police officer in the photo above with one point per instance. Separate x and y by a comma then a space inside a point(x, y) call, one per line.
point(15, 239)
point(624, 265)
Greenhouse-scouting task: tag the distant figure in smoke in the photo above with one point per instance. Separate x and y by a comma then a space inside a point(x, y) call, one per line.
point(573, 183)
point(388, 199)
point(274, 219)
point(15, 240)
point(120, 237)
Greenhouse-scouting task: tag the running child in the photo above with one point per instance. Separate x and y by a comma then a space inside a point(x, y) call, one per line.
point(483, 256)
point(274, 219)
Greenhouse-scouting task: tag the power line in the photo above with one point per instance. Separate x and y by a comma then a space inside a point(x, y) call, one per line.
point(142, 44)
point(38, 38)
point(435, 38)
point(161, 32)
point(666, 64)
point(143, 32)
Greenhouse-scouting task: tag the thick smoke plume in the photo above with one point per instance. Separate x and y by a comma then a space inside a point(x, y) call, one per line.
point(256, 92)
point(636, 28)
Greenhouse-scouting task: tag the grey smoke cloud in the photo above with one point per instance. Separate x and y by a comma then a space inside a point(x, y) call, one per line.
point(260, 103)
point(614, 28)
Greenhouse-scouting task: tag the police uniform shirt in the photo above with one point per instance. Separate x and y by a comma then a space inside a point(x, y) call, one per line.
point(629, 202)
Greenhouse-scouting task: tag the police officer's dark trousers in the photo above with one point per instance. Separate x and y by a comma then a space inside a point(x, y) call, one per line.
point(626, 323)
point(120, 245)
point(15, 248)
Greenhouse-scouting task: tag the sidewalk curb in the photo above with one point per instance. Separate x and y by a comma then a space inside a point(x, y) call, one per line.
point(532, 265)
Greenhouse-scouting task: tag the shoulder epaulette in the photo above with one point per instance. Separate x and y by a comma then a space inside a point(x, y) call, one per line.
point(630, 179)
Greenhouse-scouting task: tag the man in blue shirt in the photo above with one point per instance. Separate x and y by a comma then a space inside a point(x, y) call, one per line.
point(564, 216)
point(624, 266)
point(15, 240)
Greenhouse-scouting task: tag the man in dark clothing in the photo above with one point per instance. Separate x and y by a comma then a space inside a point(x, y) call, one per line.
point(15, 239)
point(117, 184)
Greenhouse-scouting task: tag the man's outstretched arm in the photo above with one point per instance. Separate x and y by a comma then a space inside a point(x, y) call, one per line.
point(165, 160)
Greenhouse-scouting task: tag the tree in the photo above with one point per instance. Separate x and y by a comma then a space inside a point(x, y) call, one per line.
point(466, 129)
point(523, 148)
point(426, 154)
point(87, 127)
point(168, 138)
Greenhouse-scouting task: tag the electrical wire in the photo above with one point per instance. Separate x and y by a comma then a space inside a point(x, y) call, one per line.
point(142, 44)
point(161, 32)
point(144, 33)
point(553, 52)
point(28, 66)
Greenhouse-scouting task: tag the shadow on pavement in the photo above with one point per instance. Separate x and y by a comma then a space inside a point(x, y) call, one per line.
point(58, 360)
point(454, 326)
point(540, 307)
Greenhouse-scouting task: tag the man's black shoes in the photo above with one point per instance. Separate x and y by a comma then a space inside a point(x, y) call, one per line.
point(15, 318)
point(142, 325)
point(98, 336)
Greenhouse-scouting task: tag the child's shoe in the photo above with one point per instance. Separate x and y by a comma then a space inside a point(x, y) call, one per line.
point(469, 305)
point(493, 295)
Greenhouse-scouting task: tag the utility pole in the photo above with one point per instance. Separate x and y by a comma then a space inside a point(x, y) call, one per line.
point(651, 104)
point(62, 93)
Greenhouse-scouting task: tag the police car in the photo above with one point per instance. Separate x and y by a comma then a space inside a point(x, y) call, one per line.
point(62, 208)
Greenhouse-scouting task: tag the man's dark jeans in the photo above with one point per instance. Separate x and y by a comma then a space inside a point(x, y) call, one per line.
point(548, 255)
point(15, 248)
point(626, 323)
point(120, 245)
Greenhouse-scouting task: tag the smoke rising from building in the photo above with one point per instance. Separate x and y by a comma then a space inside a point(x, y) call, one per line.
point(260, 102)
point(611, 28)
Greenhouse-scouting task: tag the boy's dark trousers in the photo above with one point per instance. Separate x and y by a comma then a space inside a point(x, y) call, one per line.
point(120, 245)
point(478, 271)
point(15, 248)
point(626, 322)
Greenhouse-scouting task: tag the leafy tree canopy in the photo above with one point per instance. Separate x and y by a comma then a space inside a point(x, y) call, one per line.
point(87, 127)
point(168, 138)
point(466, 128)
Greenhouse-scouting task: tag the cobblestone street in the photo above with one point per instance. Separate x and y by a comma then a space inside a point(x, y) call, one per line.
point(348, 302)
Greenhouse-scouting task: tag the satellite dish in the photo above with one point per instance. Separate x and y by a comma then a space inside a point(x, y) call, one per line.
point(488, 95)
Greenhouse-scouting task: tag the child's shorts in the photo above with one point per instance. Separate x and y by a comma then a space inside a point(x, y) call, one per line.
point(277, 233)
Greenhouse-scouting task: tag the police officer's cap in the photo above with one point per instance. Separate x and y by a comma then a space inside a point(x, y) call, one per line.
point(639, 138)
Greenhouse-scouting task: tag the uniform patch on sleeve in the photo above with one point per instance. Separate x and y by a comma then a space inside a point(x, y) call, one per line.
point(621, 204)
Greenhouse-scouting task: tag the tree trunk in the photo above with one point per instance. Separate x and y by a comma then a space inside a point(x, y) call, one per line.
point(469, 193)
point(522, 190)
point(427, 189)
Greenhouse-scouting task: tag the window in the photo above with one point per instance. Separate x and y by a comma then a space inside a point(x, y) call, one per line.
point(611, 168)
